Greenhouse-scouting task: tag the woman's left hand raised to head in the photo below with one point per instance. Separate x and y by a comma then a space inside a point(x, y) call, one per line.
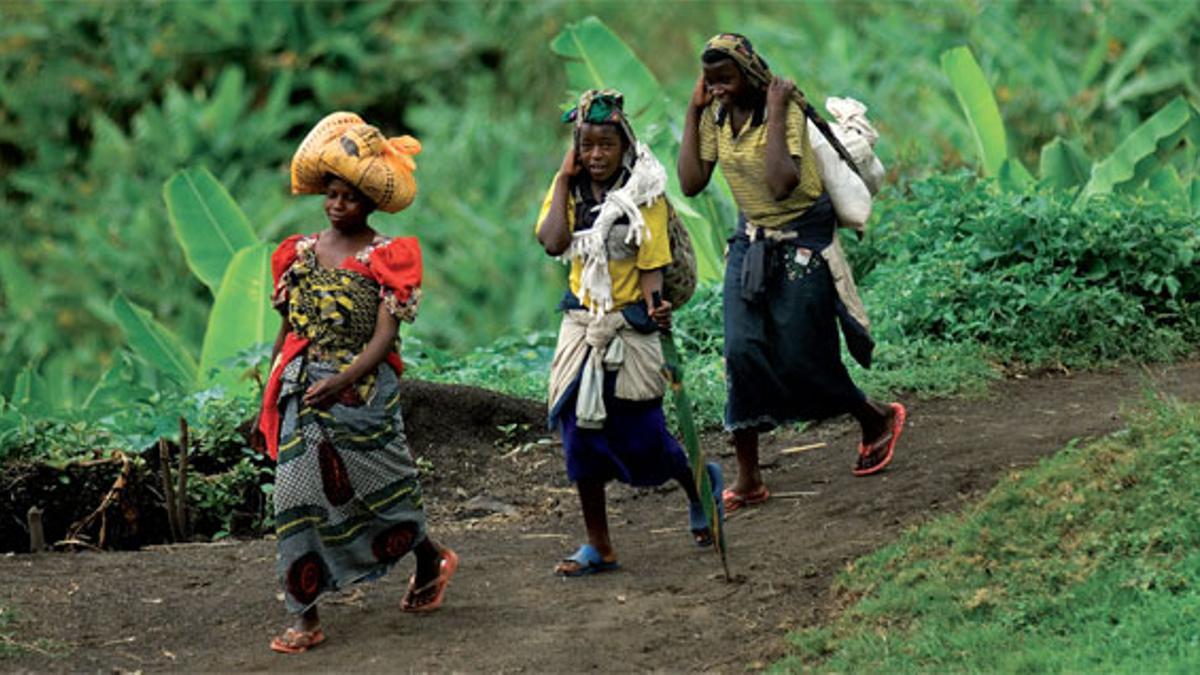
point(662, 315)
point(779, 93)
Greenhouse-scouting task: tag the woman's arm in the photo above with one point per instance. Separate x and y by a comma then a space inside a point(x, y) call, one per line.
point(694, 173)
point(386, 328)
point(782, 173)
point(554, 232)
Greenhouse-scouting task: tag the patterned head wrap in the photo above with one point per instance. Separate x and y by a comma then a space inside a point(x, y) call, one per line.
point(603, 106)
point(344, 145)
point(738, 48)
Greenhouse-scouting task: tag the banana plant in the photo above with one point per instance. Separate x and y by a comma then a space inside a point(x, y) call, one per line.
point(597, 58)
point(1140, 159)
point(224, 253)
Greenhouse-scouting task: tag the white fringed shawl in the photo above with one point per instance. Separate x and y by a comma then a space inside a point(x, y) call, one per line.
point(646, 183)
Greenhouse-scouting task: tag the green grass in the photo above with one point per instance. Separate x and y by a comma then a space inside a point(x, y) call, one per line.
point(1088, 562)
point(11, 643)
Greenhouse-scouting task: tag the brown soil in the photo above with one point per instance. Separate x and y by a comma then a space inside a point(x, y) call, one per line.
point(501, 501)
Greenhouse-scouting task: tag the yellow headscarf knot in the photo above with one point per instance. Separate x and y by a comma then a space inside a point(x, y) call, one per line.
point(344, 145)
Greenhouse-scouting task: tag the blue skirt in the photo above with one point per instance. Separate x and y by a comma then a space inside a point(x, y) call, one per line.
point(783, 359)
point(634, 446)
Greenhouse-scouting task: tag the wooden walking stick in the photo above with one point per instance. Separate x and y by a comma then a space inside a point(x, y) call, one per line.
point(691, 441)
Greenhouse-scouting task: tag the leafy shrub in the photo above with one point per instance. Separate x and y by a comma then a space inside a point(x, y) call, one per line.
point(1031, 277)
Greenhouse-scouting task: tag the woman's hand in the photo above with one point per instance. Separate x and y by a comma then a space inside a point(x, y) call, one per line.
point(324, 393)
point(779, 93)
point(662, 315)
point(570, 164)
point(701, 96)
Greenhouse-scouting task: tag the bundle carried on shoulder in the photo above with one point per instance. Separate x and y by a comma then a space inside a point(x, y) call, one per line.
point(851, 173)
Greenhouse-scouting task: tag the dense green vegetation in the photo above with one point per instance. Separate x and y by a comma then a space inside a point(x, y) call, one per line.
point(1068, 238)
point(1085, 563)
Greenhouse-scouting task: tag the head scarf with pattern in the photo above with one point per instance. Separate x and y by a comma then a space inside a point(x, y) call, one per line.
point(604, 106)
point(738, 48)
point(343, 145)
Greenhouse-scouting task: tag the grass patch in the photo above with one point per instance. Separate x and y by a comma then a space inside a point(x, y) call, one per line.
point(1088, 562)
point(12, 645)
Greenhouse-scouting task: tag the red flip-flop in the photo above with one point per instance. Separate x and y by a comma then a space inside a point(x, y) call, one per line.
point(734, 501)
point(297, 641)
point(446, 570)
point(887, 442)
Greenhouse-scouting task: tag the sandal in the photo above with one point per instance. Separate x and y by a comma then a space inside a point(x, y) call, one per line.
point(698, 521)
point(734, 501)
point(297, 641)
point(874, 457)
point(446, 569)
point(589, 561)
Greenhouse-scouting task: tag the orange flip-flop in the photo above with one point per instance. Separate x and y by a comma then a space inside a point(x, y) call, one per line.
point(734, 501)
point(864, 450)
point(297, 641)
point(446, 569)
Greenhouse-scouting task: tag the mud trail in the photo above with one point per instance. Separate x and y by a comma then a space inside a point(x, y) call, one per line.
point(500, 499)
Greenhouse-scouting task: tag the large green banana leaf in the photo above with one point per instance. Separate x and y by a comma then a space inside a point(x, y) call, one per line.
point(979, 105)
point(597, 58)
point(153, 342)
point(208, 224)
point(241, 316)
point(1064, 164)
point(1138, 155)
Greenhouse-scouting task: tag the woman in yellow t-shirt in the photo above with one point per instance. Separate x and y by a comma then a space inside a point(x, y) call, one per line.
point(781, 305)
point(606, 213)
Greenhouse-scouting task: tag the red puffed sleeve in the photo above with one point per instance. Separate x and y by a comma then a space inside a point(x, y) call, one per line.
point(397, 267)
point(281, 261)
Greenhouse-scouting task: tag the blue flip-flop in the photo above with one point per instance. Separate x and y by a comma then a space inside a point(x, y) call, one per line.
point(698, 522)
point(590, 562)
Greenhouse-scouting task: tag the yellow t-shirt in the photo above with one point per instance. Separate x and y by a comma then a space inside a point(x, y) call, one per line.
point(654, 253)
point(743, 161)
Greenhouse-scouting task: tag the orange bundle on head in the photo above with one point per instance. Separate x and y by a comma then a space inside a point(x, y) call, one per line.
point(344, 145)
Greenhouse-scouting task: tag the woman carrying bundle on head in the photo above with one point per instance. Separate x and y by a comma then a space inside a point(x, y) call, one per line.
point(787, 284)
point(347, 496)
point(607, 215)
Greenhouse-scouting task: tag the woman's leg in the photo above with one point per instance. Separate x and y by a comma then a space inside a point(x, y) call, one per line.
point(595, 520)
point(874, 417)
point(749, 479)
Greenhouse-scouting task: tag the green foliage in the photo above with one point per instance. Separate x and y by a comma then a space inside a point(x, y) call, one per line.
point(1085, 563)
point(1033, 278)
point(154, 342)
point(1138, 155)
point(974, 95)
point(207, 223)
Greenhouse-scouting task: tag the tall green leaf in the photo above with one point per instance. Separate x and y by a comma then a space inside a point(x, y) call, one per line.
point(974, 95)
point(597, 58)
point(208, 224)
point(1137, 156)
point(1064, 164)
point(153, 342)
point(241, 316)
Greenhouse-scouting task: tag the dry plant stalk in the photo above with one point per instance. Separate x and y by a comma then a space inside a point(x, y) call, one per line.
point(164, 455)
point(181, 500)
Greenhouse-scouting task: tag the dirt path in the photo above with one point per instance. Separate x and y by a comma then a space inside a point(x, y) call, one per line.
point(214, 607)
